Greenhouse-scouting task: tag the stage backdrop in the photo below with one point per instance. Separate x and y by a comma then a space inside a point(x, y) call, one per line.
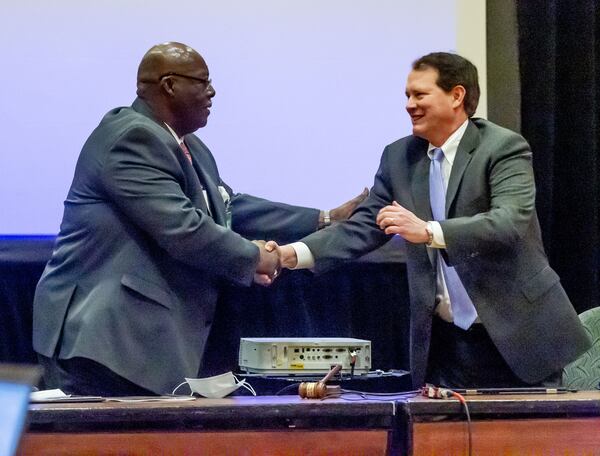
point(308, 92)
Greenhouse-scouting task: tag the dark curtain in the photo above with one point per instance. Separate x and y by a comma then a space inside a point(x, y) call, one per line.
point(361, 300)
point(22, 260)
point(559, 44)
point(365, 300)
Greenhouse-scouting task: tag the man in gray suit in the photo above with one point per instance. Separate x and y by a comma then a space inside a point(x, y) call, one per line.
point(125, 304)
point(486, 308)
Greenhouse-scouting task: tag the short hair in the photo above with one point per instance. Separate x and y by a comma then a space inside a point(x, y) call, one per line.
point(453, 70)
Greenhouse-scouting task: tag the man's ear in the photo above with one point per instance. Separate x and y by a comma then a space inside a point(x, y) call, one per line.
point(458, 96)
point(167, 84)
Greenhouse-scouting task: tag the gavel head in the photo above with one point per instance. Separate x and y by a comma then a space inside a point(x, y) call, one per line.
point(312, 390)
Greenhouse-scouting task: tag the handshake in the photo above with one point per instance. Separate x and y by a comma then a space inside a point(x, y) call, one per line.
point(273, 258)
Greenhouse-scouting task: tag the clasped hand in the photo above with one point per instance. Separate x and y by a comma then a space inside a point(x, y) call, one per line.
point(269, 264)
point(395, 219)
point(286, 257)
point(273, 257)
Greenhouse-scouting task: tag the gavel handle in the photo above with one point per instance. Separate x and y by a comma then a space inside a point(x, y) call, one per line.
point(331, 373)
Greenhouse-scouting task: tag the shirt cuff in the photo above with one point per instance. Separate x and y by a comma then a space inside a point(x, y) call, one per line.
point(438, 236)
point(306, 259)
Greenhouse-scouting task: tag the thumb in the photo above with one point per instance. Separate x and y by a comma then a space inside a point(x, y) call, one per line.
point(270, 246)
point(394, 203)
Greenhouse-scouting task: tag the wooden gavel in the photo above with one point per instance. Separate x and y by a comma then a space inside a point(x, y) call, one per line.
point(318, 390)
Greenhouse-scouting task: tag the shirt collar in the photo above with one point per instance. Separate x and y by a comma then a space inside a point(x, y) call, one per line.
point(177, 138)
point(451, 145)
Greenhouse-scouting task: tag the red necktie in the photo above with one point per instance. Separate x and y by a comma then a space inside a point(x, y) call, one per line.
point(186, 151)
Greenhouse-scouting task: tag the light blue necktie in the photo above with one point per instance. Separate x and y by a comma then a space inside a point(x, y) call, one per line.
point(463, 311)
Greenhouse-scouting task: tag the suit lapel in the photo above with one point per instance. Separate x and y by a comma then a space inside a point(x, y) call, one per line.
point(468, 143)
point(212, 191)
point(212, 188)
point(419, 178)
point(193, 187)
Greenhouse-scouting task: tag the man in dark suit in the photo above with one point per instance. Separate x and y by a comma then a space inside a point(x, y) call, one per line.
point(125, 304)
point(486, 308)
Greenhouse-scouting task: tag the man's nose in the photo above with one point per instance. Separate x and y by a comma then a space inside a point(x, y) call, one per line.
point(211, 90)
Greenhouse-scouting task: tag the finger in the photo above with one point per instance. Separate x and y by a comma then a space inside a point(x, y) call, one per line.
point(271, 245)
point(382, 216)
point(385, 222)
point(384, 213)
point(393, 230)
point(390, 208)
point(262, 279)
point(381, 219)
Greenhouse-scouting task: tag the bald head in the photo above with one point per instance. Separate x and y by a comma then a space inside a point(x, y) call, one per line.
point(169, 57)
point(173, 79)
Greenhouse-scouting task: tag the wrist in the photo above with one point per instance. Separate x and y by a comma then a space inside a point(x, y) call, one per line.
point(290, 261)
point(324, 218)
point(429, 233)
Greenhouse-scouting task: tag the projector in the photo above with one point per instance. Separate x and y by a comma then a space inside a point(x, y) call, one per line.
point(303, 355)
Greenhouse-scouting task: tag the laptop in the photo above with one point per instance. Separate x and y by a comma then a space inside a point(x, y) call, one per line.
point(16, 381)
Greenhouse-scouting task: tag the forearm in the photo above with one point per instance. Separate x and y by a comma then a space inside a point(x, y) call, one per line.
point(257, 218)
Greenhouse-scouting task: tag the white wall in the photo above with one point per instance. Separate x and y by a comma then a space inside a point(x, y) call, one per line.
point(471, 42)
point(308, 92)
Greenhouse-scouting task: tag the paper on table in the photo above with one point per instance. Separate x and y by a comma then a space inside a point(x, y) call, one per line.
point(47, 394)
point(57, 395)
point(151, 398)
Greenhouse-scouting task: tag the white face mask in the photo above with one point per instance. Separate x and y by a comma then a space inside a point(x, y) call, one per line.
point(218, 386)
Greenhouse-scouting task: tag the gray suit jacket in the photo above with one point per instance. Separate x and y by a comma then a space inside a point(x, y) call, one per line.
point(493, 239)
point(138, 263)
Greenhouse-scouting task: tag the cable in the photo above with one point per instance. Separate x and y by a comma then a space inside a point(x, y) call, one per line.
point(353, 357)
point(179, 386)
point(293, 387)
point(383, 397)
point(463, 401)
point(399, 393)
point(434, 392)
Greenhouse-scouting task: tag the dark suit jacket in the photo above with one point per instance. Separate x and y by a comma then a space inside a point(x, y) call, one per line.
point(493, 239)
point(138, 264)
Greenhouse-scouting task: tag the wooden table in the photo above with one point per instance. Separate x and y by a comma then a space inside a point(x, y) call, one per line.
point(267, 425)
point(559, 424)
point(549, 424)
